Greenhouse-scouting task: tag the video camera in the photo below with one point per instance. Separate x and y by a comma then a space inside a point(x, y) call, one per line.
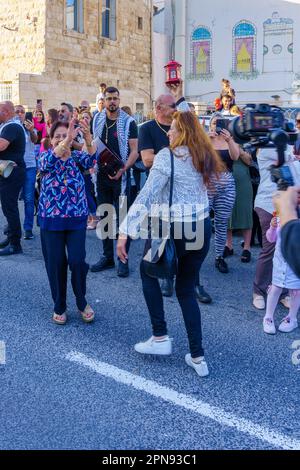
point(265, 126)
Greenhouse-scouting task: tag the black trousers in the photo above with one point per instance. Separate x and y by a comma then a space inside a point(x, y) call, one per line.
point(9, 195)
point(189, 264)
point(109, 192)
point(54, 246)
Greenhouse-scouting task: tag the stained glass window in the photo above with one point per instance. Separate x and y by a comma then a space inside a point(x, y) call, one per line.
point(244, 48)
point(201, 52)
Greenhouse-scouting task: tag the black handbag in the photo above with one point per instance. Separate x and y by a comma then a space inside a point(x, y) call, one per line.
point(108, 161)
point(160, 258)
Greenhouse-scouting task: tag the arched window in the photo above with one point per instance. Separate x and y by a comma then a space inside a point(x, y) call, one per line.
point(244, 48)
point(201, 52)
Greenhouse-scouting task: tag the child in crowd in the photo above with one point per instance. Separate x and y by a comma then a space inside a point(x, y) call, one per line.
point(227, 90)
point(283, 277)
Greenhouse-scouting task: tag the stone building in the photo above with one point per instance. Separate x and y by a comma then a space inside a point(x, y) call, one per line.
point(61, 50)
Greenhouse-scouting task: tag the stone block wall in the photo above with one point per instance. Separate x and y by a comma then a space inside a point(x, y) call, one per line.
point(22, 24)
point(44, 60)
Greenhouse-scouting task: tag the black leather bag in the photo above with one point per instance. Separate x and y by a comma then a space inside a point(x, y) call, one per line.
point(108, 162)
point(160, 259)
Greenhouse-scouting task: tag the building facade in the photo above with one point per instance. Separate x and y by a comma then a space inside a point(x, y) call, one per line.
point(61, 50)
point(256, 45)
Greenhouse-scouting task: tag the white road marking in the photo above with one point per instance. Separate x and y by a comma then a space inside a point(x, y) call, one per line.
point(184, 401)
point(2, 353)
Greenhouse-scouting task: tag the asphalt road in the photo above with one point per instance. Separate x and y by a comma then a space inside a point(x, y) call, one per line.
point(84, 387)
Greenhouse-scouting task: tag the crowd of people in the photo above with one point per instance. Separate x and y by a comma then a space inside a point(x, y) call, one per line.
point(208, 177)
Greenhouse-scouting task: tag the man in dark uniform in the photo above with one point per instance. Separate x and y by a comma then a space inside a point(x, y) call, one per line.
point(12, 148)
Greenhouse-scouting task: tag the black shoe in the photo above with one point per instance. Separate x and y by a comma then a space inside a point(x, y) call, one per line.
point(167, 287)
point(28, 235)
point(227, 252)
point(203, 296)
point(252, 244)
point(246, 256)
point(102, 265)
point(221, 265)
point(4, 243)
point(5, 230)
point(123, 269)
point(11, 250)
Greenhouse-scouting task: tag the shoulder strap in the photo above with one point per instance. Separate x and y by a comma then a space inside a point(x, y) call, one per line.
point(172, 179)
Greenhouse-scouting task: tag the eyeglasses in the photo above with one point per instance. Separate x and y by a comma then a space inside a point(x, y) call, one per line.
point(19, 111)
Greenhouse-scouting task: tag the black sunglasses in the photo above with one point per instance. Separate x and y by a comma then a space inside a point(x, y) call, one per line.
point(173, 106)
point(298, 121)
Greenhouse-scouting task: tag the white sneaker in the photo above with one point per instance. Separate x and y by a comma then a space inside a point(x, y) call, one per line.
point(269, 326)
point(259, 302)
point(286, 301)
point(287, 325)
point(201, 368)
point(157, 348)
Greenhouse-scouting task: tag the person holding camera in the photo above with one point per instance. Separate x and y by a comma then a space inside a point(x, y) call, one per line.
point(40, 127)
point(63, 216)
point(12, 148)
point(222, 194)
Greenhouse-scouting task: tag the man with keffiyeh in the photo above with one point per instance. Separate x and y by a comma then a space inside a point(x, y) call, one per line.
point(118, 131)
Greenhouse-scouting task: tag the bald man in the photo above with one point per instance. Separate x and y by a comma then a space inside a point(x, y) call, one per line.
point(12, 147)
point(153, 135)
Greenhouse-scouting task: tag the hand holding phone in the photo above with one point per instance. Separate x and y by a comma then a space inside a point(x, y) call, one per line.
point(39, 105)
point(29, 116)
point(221, 124)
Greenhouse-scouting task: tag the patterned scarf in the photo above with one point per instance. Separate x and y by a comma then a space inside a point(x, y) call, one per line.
point(123, 128)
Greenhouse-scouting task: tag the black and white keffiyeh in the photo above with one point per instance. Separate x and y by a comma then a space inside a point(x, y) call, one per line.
point(123, 130)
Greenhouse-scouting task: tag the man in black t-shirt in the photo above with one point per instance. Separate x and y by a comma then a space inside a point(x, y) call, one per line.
point(119, 132)
point(12, 147)
point(153, 135)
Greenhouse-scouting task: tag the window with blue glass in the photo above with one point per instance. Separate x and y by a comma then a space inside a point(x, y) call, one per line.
point(108, 18)
point(74, 15)
point(201, 52)
point(244, 48)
